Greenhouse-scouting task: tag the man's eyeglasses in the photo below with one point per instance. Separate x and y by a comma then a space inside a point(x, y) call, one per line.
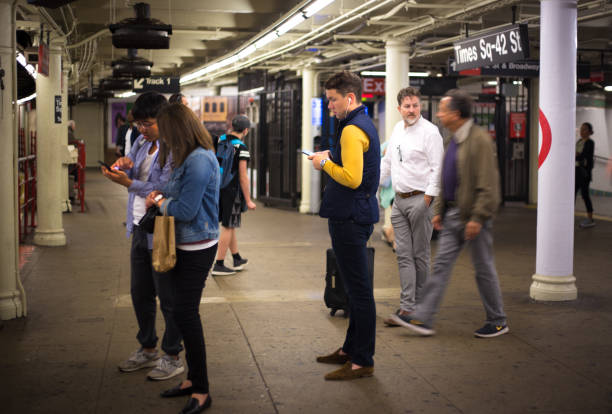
point(140, 125)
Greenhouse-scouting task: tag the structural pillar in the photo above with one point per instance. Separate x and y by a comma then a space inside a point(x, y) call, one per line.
point(554, 279)
point(63, 133)
point(397, 68)
point(307, 142)
point(50, 231)
point(12, 296)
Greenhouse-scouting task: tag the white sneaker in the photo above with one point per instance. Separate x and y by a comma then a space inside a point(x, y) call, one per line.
point(586, 223)
point(138, 360)
point(167, 367)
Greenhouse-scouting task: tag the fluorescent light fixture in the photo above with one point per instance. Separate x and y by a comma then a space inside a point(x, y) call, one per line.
point(373, 73)
point(22, 61)
point(314, 7)
point(125, 94)
point(383, 73)
point(492, 83)
point(254, 90)
point(608, 88)
point(286, 26)
point(246, 51)
point(290, 24)
point(270, 37)
point(27, 98)
point(516, 82)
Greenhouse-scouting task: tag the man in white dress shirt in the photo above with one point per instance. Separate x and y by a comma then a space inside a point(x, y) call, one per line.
point(413, 159)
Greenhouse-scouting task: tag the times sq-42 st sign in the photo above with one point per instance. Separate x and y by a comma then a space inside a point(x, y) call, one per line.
point(507, 44)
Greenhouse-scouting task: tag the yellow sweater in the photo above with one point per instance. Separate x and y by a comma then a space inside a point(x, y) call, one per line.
point(354, 142)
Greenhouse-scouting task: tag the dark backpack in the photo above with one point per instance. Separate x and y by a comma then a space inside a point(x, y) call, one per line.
point(225, 156)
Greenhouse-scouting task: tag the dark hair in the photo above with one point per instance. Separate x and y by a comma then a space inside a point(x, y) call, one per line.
point(589, 126)
point(460, 101)
point(148, 105)
point(176, 98)
point(409, 91)
point(180, 132)
point(345, 82)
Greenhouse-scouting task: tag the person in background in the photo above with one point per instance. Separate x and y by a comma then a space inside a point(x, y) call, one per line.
point(350, 205)
point(141, 172)
point(126, 136)
point(412, 161)
point(178, 98)
point(191, 196)
point(234, 199)
point(463, 212)
point(585, 151)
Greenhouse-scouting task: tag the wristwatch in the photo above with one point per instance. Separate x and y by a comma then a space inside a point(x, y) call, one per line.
point(323, 161)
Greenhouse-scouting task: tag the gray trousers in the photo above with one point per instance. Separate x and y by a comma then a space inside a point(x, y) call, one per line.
point(450, 243)
point(411, 219)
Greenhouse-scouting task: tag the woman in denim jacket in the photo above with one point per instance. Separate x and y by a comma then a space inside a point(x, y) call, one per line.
point(192, 197)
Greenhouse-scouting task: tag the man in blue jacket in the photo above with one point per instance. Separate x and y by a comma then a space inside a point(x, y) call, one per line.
point(140, 173)
point(350, 205)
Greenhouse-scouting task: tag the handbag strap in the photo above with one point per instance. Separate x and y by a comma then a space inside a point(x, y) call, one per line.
point(165, 209)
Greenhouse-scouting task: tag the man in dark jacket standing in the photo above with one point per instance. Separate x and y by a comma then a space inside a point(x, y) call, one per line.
point(350, 204)
point(463, 212)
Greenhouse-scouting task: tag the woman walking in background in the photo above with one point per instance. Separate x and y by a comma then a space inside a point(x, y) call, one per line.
point(585, 149)
point(192, 197)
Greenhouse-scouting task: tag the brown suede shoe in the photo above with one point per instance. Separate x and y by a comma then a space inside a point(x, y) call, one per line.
point(348, 373)
point(334, 358)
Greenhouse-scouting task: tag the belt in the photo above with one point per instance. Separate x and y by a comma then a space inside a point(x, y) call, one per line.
point(410, 194)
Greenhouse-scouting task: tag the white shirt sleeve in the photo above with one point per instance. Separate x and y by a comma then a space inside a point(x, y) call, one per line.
point(385, 165)
point(435, 151)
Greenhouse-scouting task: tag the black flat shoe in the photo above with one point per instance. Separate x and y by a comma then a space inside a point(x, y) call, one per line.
point(194, 407)
point(176, 391)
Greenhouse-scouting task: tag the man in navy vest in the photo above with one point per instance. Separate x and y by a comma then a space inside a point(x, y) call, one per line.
point(350, 205)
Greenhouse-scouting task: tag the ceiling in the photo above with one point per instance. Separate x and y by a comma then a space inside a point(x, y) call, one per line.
point(348, 34)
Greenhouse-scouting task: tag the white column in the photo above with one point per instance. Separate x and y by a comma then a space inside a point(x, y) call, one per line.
point(307, 144)
point(12, 298)
point(50, 231)
point(554, 279)
point(63, 133)
point(397, 68)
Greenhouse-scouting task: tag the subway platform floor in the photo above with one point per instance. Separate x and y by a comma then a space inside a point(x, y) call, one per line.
point(265, 326)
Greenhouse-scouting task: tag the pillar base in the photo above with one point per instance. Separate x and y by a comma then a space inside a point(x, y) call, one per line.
point(553, 288)
point(11, 306)
point(304, 207)
point(50, 238)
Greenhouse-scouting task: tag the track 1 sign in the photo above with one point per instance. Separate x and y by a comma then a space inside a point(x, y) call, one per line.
point(507, 44)
point(161, 84)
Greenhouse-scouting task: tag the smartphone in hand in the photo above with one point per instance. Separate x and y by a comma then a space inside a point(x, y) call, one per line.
point(105, 165)
point(307, 153)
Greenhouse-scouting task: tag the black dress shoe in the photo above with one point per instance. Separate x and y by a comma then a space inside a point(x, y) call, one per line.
point(194, 407)
point(177, 391)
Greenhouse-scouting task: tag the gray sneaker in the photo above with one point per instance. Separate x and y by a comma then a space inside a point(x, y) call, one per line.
point(138, 360)
point(584, 224)
point(167, 367)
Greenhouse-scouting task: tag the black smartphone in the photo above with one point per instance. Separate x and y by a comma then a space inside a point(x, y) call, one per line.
point(105, 165)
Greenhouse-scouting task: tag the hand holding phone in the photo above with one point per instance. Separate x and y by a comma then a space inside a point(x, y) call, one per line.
point(105, 165)
point(307, 153)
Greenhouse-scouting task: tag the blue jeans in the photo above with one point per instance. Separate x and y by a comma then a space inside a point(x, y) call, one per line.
point(349, 242)
point(146, 284)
